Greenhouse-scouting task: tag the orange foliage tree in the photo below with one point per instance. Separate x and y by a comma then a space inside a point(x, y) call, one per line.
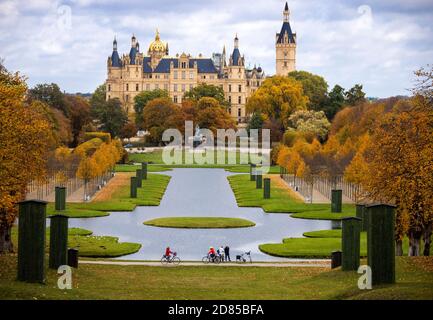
point(25, 138)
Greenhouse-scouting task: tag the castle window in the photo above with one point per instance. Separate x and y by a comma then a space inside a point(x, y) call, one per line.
point(230, 88)
point(175, 74)
point(239, 100)
point(212, 76)
point(166, 87)
point(183, 88)
point(230, 110)
point(191, 75)
point(239, 112)
point(191, 86)
point(230, 99)
point(183, 65)
point(285, 63)
point(136, 87)
point(109, 87)
point(156, 86)
point(240, 88)
point(148, 87)
point(183, 74)
point(127, 98)
point(166, 76)
point(175, 88)
point(175, 99)
point(109, 97)
point(127, 87)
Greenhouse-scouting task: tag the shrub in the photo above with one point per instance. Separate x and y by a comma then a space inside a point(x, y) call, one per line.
point(104, 136)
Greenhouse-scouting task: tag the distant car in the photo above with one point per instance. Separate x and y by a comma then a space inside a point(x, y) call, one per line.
point(129, 145)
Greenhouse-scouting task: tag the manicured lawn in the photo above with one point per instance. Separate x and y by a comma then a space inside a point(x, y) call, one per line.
point(88, 245)
point(414, 281)
point(150, 194)
point(200, 222)
point(156, 163)
point(102, 246)
point(282, 200)
point(317, 244)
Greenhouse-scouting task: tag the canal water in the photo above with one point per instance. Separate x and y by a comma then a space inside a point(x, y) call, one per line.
point(199, 193)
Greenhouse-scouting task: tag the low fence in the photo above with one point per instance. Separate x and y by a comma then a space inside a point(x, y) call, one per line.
point(44, 190)
point(324, 185)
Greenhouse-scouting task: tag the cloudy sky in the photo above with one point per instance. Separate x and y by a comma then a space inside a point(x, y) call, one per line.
point(376, 43)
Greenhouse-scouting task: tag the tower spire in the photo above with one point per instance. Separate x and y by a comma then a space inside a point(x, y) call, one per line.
point(114, 44)
point(286, 13)
point(236, 41)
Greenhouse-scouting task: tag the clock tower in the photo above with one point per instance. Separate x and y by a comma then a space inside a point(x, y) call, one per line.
point(285, 47)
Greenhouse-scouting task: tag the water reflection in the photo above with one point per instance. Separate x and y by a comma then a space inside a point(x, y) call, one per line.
point(198, 192)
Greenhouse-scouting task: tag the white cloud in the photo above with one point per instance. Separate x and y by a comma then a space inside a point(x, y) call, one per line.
point(347, 43)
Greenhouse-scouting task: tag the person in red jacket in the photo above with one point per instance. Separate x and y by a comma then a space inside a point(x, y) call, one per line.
point(168, 253)
point(212, 253)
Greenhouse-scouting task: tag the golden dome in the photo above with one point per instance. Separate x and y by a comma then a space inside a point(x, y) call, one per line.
point(157, 45)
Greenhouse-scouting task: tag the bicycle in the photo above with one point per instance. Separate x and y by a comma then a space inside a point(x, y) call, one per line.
point(241, 257)
point(173, 259)
point(208, 259)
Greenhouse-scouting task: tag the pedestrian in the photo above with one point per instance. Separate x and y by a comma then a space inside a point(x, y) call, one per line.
point(227, 253)
point(221, 249)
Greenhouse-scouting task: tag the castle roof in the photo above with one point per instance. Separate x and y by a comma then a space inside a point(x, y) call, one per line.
point(115, 60)
point(286, 29)
point(236, 56)
point(203, 65)
point(132, 54)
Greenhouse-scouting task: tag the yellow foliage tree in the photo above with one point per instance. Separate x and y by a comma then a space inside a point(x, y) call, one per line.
point(25, 138)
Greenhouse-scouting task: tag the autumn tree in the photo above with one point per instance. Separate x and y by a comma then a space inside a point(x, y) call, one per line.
point(161, 114)
point(354, 95)
point(79, 116)
point(25, 138)
point(311, 124)
point(211, 115)
point(129, 130)
point(277, 98)
point(140, 101)
point(51, 95)
point(398, 166)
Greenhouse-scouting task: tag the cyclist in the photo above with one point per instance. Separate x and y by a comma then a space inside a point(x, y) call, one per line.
point(211, 253)
point(168, 253)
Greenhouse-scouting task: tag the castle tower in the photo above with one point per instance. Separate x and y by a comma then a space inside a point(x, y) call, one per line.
point(157, 50)
point(285, 46)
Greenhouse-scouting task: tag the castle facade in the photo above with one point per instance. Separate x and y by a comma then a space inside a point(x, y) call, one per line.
point(137, 71)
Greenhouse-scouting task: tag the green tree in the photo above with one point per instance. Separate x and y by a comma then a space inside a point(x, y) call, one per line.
point(112, 117)
point(142, 99)
point(98, 99)
point(51, 95)
point(335, 102)
point(207, 90)
point(315, 88)
point(355, 95)
point(256, 122)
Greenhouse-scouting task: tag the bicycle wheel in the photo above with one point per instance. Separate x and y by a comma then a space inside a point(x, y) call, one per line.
point(217, 260)
point(164, 260)
point(205, 260)
point(175, 260)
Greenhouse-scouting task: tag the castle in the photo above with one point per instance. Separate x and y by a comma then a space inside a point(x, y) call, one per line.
point(137, 71)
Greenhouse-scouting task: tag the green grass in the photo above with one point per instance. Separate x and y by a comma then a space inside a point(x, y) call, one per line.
point(414, 281)
point(282, 201)
point(88, 245)
point(150, 194)
point(317, 244)
point(156, 163)
point(102, 246)
point(200, 222)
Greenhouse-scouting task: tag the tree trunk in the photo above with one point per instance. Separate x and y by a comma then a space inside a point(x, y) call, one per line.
point(427, 239)
point(398, 247)
point(6, 245)
point(414, 242)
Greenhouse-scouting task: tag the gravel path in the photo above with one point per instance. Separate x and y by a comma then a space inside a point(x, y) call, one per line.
point(295, 263)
